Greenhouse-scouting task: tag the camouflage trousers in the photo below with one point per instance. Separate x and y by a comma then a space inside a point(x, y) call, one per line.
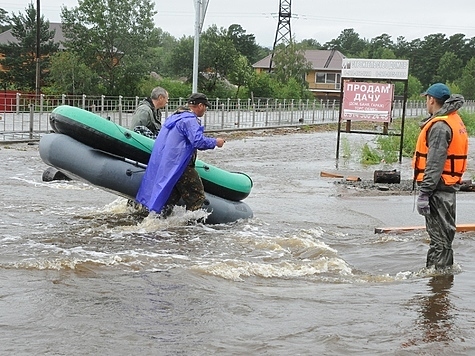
point(190, 189)
point(440, 226)
point(137, 207)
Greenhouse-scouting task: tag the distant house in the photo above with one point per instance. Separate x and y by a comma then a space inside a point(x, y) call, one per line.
point(7, 37)
point(324, 79)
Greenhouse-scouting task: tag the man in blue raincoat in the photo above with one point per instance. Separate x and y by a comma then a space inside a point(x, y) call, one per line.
point(171, 174)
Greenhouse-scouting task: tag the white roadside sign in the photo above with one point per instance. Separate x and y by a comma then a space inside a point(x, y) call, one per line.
point(375, 68)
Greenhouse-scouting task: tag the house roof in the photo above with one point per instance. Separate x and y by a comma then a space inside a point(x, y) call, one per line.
point(318, 58)
point(6, 37)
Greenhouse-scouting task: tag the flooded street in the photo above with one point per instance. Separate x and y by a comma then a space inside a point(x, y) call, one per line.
point(81, 274)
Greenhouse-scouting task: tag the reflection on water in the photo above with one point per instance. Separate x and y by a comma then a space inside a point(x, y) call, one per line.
point(435, 312)
point(437, 320)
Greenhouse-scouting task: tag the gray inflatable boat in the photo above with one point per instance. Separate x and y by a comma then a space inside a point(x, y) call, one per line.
point(120, 175)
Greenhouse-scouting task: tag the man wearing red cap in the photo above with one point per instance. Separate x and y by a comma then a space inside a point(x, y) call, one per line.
point(440, 159)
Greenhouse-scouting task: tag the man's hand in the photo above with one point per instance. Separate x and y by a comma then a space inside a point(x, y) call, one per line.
point(220, 142)
point(423, 206)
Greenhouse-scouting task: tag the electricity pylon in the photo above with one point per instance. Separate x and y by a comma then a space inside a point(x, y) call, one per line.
point(283, 33)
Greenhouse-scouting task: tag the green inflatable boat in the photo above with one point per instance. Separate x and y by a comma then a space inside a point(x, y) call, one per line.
point(102, 134)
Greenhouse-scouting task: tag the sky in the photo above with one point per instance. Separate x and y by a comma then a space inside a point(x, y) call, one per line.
point(316, 19)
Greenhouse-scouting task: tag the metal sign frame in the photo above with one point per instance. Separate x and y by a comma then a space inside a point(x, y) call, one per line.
point(387, 71)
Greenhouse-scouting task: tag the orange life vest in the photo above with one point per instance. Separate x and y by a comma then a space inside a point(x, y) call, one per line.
point(456, 162)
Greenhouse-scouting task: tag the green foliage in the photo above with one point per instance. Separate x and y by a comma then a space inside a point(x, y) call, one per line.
point(20, 57)
point(346, 148)
point(469, 121)
point(387, 146)
point(181, 58)
point(291, 90)
point(265, 85)
point(69, 75)
point(157, 56)
point(245, 44)
point(370, 155)
point(411, 133)
point(414, 88)
point(218, 58)
point(175, 88)
point(467, 81)
point(5, 21)
point(450, 68)
point(310, 43)
point(241, 74)
point(221, 89)
point(348, 43)
point(109, 36)
point(261, 85)
point(290, 63)
point(116, 46)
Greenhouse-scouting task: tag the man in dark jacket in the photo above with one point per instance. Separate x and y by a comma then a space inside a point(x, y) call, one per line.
point(440, 160)
point(147, 118)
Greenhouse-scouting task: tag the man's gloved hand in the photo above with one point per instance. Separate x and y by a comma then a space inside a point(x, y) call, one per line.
point(423, 206)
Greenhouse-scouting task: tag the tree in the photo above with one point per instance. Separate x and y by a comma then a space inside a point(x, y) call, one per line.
point(20, 57)
point(110, 36)
point(157, 57)
point(467, 81)
point(5, 21)
point(290, 62)
point(262, 85)
point(310, 43)
point(348, 42)
point(461, 46)
point(71, 76)
point(181, 58)
point(218, 56)
point(244, 43)
point(414, 88)
point(381, 46)
point(401, 48)
point(450, 68)
point(292, 90)
point(241, 74)
point(425, 57)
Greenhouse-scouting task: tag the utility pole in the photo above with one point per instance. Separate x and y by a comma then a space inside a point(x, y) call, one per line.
point(38, 38)
point(200, 12)
point(283, 33)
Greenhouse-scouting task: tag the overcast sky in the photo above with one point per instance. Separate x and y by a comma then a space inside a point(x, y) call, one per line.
point(317, 19)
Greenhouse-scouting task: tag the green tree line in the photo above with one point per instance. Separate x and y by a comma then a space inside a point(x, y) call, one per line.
point(117, 50)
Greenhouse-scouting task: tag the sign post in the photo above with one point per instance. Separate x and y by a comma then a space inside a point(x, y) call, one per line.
point(367, 93)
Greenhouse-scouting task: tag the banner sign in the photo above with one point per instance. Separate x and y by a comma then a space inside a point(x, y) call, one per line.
point(367, 101)
point(375, 68)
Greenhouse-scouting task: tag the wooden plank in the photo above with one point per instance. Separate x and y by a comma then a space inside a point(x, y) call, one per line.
point(330, 175)
point(384, 230)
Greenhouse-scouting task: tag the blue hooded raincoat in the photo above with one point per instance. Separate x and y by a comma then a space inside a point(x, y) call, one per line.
point(178, 138)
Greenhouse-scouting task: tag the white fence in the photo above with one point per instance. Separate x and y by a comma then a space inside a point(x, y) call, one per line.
point(27, 117)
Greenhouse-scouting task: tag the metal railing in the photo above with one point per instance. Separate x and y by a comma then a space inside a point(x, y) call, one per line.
point(24, 117)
